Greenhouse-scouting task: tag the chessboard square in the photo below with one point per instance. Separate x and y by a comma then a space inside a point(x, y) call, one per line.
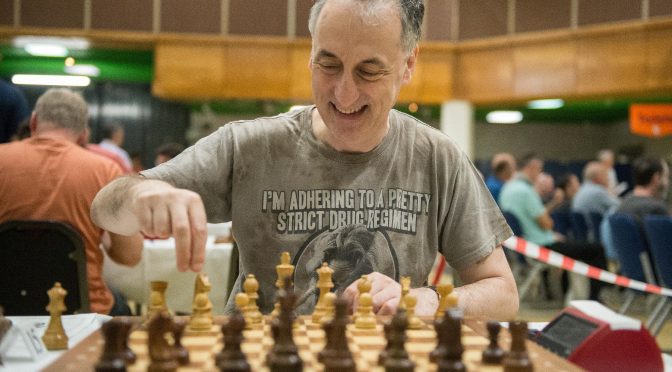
point(198, 342)
point(420, 334)
point(315, 334)
point(370, 342)
point(423, 348)
point(252, 348)
point(475, 341)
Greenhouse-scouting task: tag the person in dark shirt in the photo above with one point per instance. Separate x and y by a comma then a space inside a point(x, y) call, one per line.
point(652, 180)
point(13, 110)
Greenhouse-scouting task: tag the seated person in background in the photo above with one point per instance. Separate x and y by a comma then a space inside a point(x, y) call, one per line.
point(520, 198)
point(550, 196)
point(503, 166)
point(69, 178)
point(606, 158)
point(350, 160)
point(167, 151)
point(593, 195)
point(652, 180)
point(113, 139)
point(568, 185)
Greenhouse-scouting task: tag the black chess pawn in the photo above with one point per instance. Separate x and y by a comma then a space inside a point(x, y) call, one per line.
point(387, 328)
point(181, 352)
point(161, 353)
point(493, 354)
point(113, 358)
point(397, 359)
point(284, 355)
point(517, 360)
point(441, 330)
point(451, 360)
point(336, 355)
point(232, 358)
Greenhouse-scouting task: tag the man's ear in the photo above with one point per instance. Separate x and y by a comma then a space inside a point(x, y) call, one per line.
point(410, 65)
point(32, 124)
point(83, 137)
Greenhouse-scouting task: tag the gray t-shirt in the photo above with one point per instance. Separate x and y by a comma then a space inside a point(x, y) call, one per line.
point(388, 210)
point(640, 206)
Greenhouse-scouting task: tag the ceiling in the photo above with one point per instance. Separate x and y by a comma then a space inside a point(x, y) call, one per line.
point(136, 66)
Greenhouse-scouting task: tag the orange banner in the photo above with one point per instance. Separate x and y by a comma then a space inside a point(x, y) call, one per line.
point(651, 120)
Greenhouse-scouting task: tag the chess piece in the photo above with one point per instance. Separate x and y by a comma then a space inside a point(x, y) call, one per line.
point(365, 318)
point(201, 311)
point(336, 355)
point(329, 308)
point(161, 353)
point(396, 357)
point(325, 284)
point(113, 358)
point(284, 355)
point(54, 337)
point(387, 328)
point(157, 299)
point(242, 300)
point(414, 322)
point(251, 286)
point(493, 354)
point(451, 359)
point(231, 358)
point(129, 355)
point(285, 269)
point(181, 352)
point(405, 282)
point(517, 360)
point(447, 299)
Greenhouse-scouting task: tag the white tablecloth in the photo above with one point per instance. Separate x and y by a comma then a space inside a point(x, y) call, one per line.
point(158, 263)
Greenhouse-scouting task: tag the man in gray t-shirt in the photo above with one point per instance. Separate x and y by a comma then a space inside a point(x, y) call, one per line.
point(348, 181)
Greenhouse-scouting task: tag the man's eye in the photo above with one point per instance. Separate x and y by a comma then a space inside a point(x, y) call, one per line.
point(371, 74)
point(328, 67)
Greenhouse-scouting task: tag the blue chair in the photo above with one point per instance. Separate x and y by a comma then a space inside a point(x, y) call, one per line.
point(595, 220)
point(579, 227)
point(658, 231)
point(632, 253)
point(561, 222)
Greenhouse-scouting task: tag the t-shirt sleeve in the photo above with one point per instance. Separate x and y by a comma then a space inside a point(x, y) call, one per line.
point(472, 225)
point(533, 206)
point(206, 169)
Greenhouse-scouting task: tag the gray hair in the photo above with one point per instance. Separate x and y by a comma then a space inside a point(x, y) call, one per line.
point(411, 13)
point(62, 108)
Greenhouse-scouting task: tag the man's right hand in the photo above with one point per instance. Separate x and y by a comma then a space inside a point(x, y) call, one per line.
point(155, 208)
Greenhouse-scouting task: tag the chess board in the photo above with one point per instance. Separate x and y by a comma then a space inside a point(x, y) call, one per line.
point(365, 346)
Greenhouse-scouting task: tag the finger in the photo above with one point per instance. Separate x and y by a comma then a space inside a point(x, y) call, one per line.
point(161, 221)
point(144, 215)
point(350, 295)
point(389, 307)
point(199, 235)
point(384, 296)
point(182, 234)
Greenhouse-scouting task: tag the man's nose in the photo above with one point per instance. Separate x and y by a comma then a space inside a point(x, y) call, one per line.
point(346, 91)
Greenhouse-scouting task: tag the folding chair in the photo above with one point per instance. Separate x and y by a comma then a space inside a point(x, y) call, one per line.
point(659, 234)
point(33, 256)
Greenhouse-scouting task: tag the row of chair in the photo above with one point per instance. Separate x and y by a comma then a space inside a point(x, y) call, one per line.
point(578, 227)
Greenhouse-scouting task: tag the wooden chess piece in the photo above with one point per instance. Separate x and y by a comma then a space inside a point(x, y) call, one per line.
point(387, 328)
point(325, 284)
point(232, 358)
point(329, 307)
point(441, 339)
point(54, 337)
point(181, 352)
point(414, 322)
point(493, 354)
point(161, 353)
point(157, 299)
point(113, 358)
point(242, 300)
point(447, 299)
point(451, 360)
point(201, 311)
point(396, 357)
point(336, 355)
point(517, 360)
point(365, 318)
point(405, 282)
point(284, 355)
point(129, 355)
point(251, 286)
point(284, 270)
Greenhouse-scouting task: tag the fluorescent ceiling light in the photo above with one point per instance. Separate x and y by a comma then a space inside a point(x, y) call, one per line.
point(57, 80)
point(546, 104)
point(504, 117)
point(85, 70)
point(46, 50)
point(74, 43)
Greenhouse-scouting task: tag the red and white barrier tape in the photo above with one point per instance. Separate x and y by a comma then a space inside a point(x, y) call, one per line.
point(556, 259)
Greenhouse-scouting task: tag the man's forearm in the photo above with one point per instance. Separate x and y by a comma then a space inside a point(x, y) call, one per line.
point(111, 208)
point(491, 298)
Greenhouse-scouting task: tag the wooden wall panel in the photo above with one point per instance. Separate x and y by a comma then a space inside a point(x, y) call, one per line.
point(257, 71)
point(544, 69)
point(258, 17)
point(438, 19)
point(195, 16)
point(48, 13)
point(535, 15)
point(659, 8)
point(659, 58)
point(186, 70)
point(484, 74)
point(482, 18)
point(611, 63)
point(7, 13)
point(302, 14)
point(126, 15)
point(603, 11)
point(432, 80)
point(300, 72)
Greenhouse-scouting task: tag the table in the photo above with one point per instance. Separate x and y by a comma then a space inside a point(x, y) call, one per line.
point(158, 263)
